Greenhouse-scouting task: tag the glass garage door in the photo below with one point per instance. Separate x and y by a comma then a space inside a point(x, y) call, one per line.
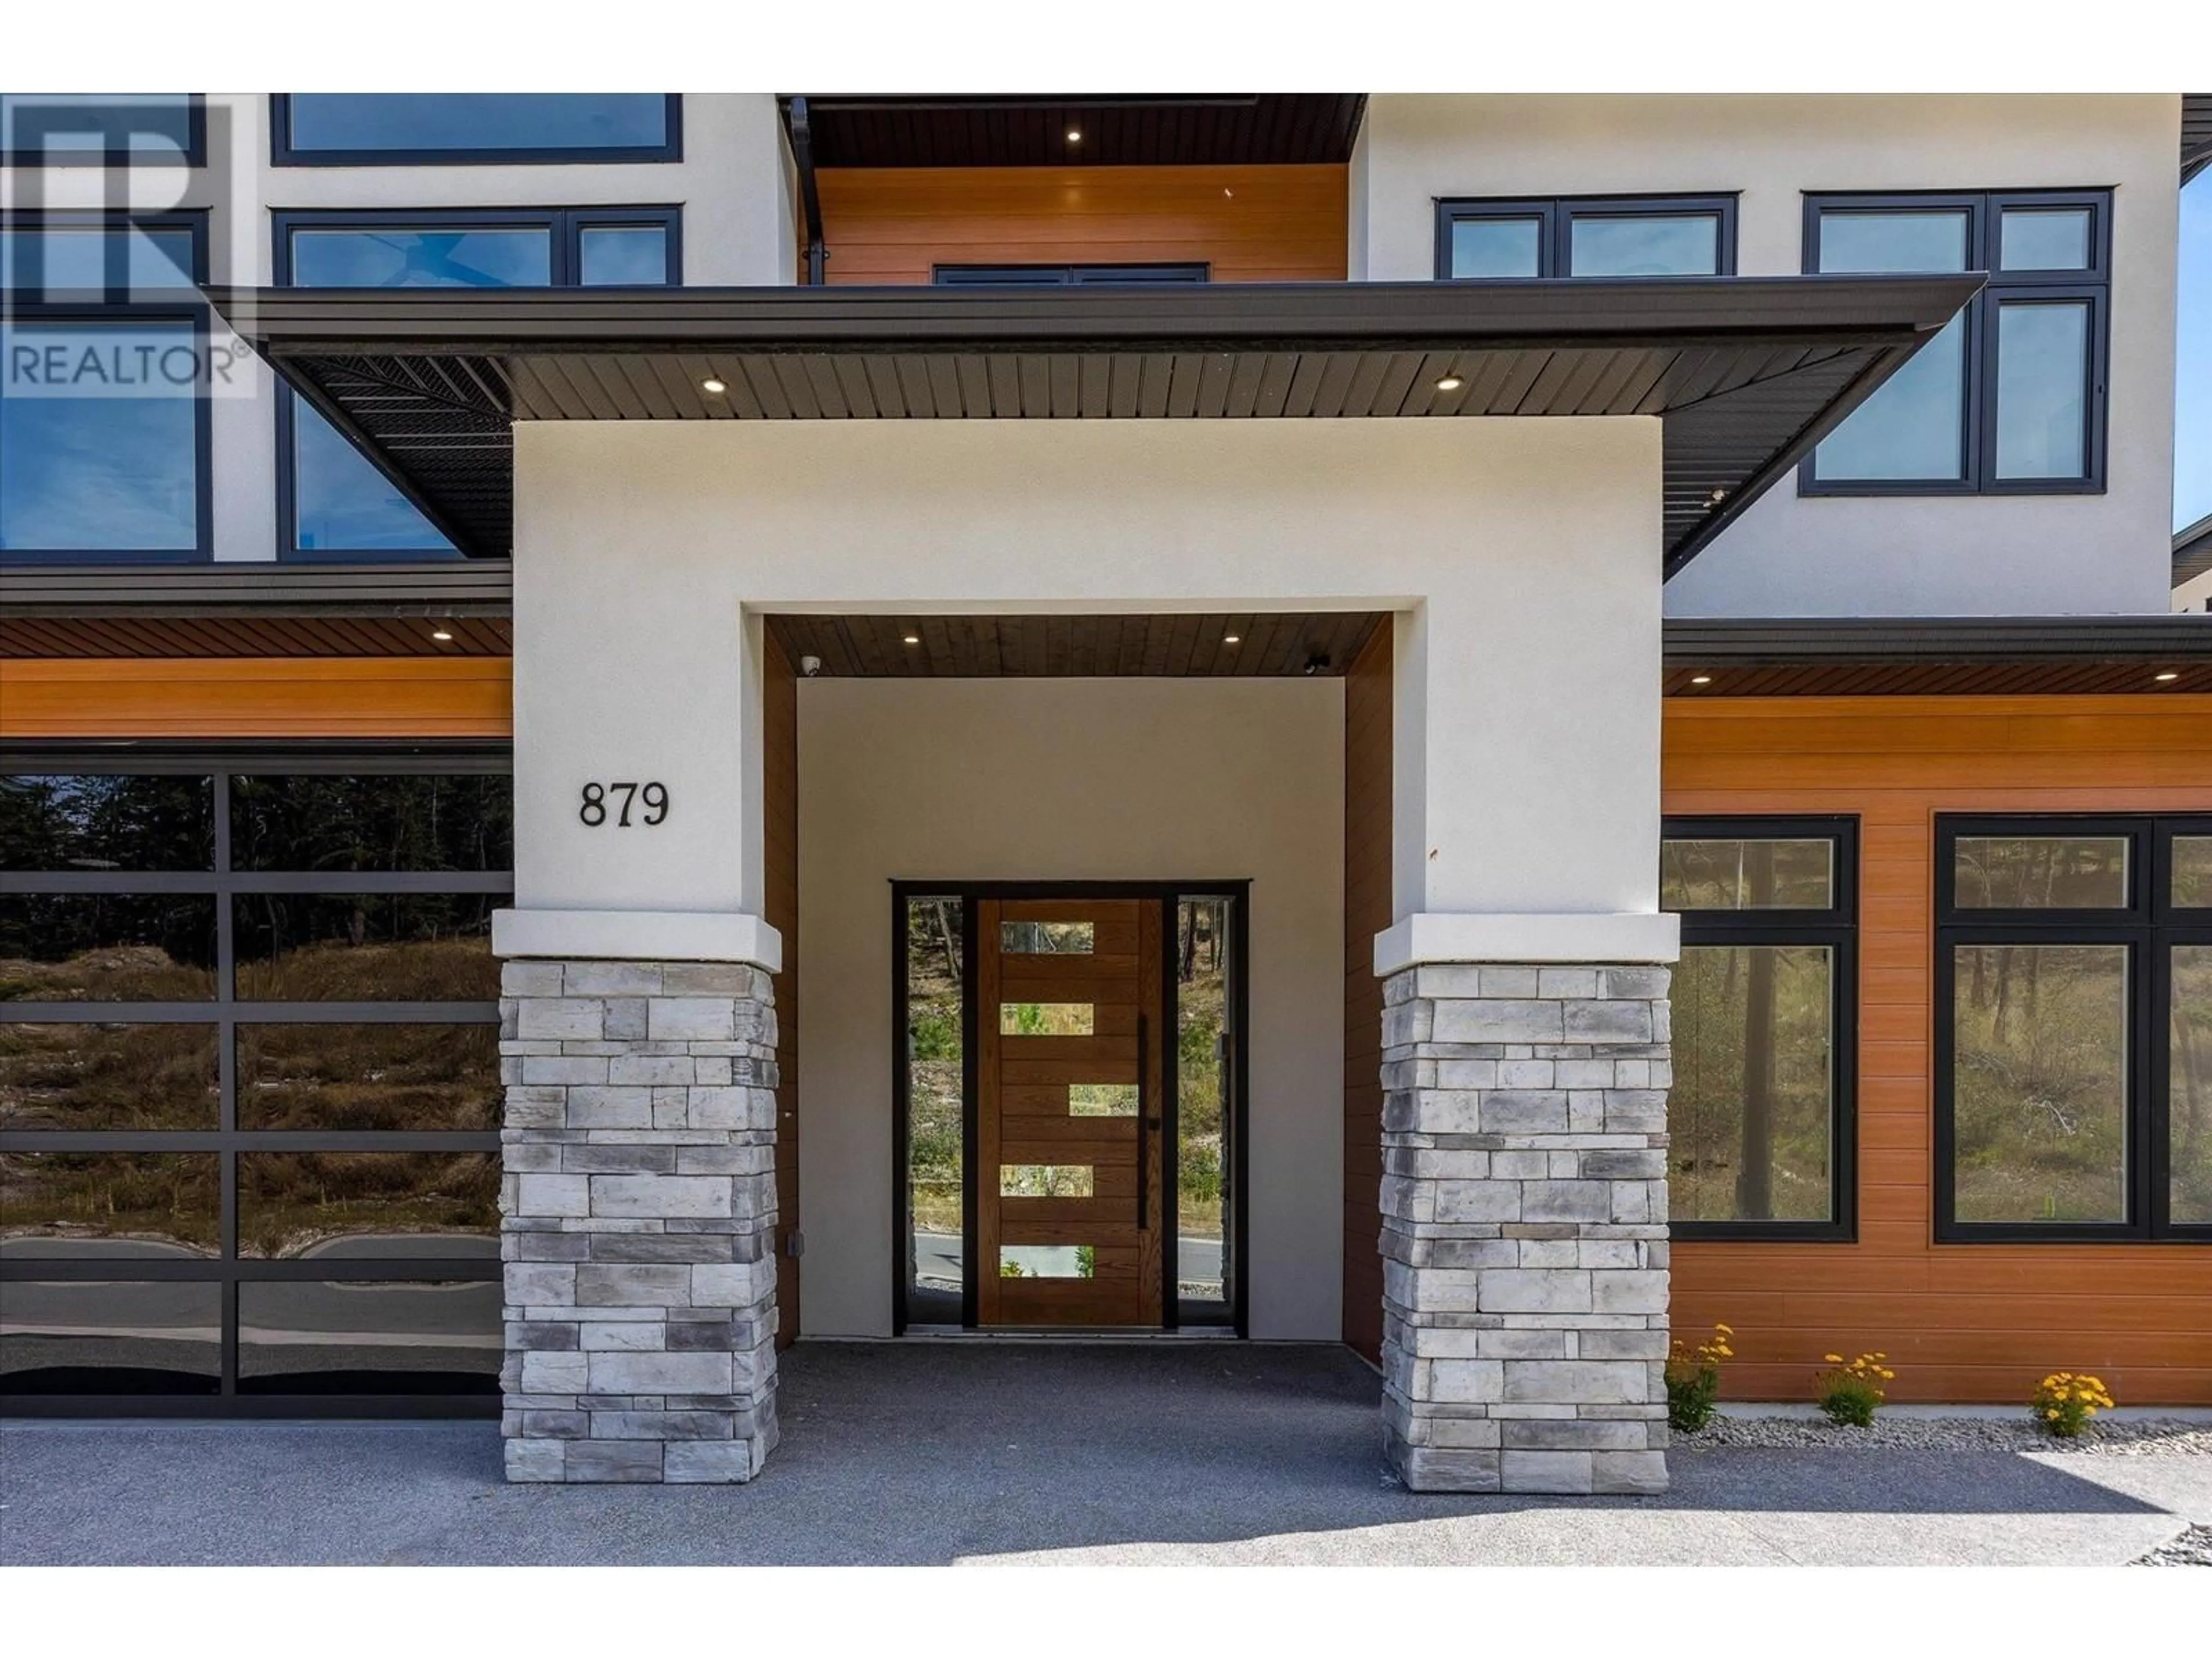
point(249, 1084)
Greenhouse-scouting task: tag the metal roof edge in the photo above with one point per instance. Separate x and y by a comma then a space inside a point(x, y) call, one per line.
point(1714, 641)
point(474, 588)
point(2192, 551)
point(438, 321)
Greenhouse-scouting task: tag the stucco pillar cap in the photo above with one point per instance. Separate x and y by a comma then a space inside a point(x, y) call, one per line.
point(1492, 936)
point(638, 936)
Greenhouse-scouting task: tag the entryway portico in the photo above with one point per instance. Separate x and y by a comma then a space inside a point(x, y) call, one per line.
point(679, 479)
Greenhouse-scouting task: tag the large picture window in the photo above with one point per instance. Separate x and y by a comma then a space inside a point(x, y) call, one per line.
point(1587, 236)
point(2009, 396)
point(1760, 1115)
point(332, 501)
point(104, 435)
point(415, 129)
point(2074, 1028)
point(249, 1082)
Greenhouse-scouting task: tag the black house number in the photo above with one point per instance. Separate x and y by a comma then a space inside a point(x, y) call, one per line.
point(605, 803)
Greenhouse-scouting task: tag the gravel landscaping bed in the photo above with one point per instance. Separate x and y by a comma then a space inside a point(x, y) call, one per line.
point(2135, 1438)
point(2193, 1549)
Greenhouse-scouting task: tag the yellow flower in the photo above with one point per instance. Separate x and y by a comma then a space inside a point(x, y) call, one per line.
point(1833, 1358)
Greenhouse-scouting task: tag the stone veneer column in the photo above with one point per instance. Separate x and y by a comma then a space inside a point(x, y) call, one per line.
point(637, 1220)
point(1524, 1227)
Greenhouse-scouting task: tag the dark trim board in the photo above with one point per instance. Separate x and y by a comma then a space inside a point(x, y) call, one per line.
point(1175, 1313)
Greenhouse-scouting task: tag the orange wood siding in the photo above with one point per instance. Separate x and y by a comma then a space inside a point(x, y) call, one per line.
point(1366, 913)
point(779, 791)
point(258, 697)
point(1960, 1322)
point(1249, 224)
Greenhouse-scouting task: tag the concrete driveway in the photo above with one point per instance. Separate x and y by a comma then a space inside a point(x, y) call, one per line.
point(957, 1452)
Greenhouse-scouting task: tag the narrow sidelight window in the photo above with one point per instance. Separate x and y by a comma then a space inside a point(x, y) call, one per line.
point(1587, 236)
point(2073, 1073)
point(2009, 398)
point(1760, 1112)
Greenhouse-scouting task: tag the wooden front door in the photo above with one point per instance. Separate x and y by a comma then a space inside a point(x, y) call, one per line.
point(1070, 1023)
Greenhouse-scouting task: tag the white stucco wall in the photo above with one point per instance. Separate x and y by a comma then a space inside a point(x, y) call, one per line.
point(1831, 555)
point(1112, 779)
point(1524, 553)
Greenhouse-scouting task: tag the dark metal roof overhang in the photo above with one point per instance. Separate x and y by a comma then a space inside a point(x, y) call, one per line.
point(869, 129)
point(1916, 656)
point(1747, 373)
point(259, 609)
point(2195, 134)
point(2192, 551)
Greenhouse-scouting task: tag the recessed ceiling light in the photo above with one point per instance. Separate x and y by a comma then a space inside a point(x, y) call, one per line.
point(441, 634)
point(1701, 680)
point(2170, 674)
point(913, 638)
point(1230, 639)
point(712, 387)
point(1075, 135)
point(1451, 383)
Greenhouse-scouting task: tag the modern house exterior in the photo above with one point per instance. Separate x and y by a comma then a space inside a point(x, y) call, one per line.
point(1484, 728)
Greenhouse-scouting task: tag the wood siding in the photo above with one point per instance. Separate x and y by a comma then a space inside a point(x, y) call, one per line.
point(1367, 769)
point(1960, 1322)
point(780, 797)
point(1249, 224)
point(257, 697)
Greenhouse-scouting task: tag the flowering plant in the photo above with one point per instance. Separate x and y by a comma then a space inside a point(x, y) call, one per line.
point(2064, 1403)
point(1851, 1390)
point(1693, 1381)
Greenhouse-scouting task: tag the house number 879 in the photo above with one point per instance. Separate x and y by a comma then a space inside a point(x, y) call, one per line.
point(605, 802)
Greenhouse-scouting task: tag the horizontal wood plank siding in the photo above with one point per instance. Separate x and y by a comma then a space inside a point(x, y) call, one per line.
point(1960, 1322)
point(1366, 913)
point(1249, 224)
point(258, 697)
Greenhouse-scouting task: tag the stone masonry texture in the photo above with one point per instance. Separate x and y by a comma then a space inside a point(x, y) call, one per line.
point(1524, 1227)
point(637, 1227)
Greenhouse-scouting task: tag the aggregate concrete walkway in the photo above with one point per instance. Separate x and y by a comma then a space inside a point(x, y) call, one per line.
point(940, 1453)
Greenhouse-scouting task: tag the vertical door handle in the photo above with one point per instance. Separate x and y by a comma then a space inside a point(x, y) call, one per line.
point(1143, 1163)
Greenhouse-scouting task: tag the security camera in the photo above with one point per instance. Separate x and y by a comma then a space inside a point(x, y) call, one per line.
point(810, 666)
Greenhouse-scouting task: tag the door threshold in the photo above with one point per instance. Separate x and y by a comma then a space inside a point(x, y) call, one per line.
point(1070, 1334)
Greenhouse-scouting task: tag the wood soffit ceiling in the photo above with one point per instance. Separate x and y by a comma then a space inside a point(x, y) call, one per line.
point(1126, 129)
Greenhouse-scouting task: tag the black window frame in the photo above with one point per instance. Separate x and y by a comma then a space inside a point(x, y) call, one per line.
point(114, 304)
point(284, 153)
point(117, 155)
point(2149, 927)
point(227, 1013)
point(1985, 211)
point(1557, 214)
point(564, 227)
point(1078, 276)
point(1837, 929)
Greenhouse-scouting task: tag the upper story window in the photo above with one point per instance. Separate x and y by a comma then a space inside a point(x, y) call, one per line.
point(1761, 1109)
point(416, 129)
point(1061, 276)
point(104, 437)
point(1587, 236)
point(332, 502)
point(81, 128)
point(2073, 1028)
point(2009, 398)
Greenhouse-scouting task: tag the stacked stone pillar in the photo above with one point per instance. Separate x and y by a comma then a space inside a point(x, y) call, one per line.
point(1524, 1227)
point(638, 1220)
